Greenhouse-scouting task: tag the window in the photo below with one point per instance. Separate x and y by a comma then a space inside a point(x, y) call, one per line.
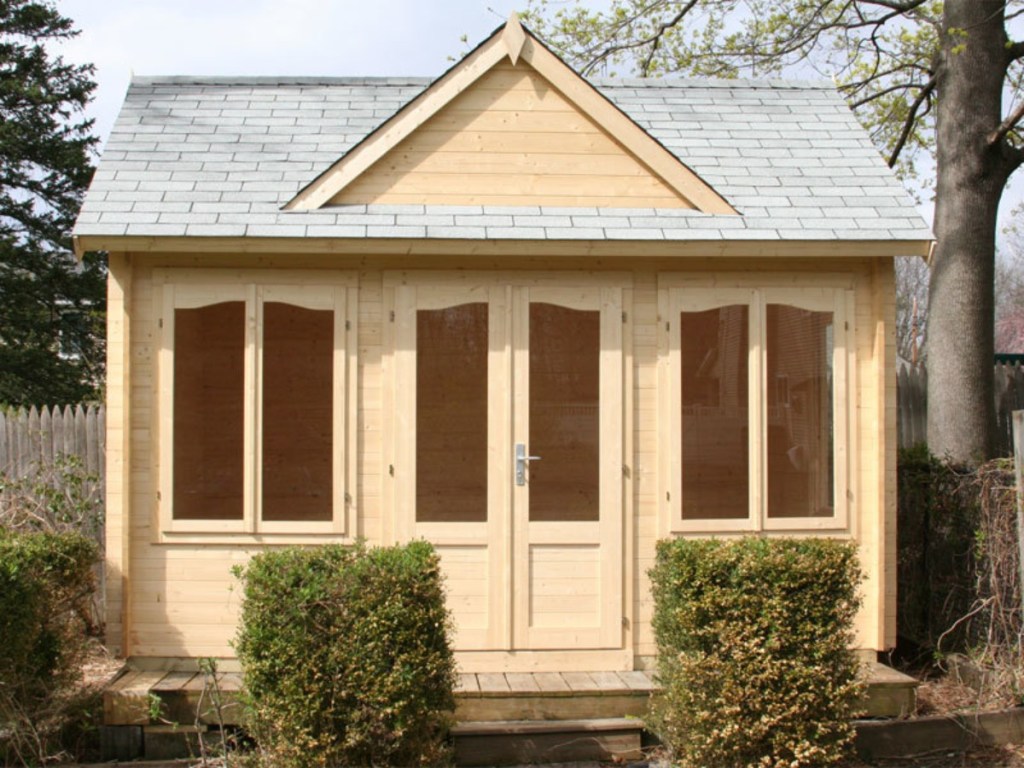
point(252, 400)
point(757, 435)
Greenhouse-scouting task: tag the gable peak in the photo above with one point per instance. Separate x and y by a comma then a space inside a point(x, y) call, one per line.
point(515, 42)
point(513, 36)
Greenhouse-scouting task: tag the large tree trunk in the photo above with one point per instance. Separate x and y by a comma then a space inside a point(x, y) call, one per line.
point(970, 180)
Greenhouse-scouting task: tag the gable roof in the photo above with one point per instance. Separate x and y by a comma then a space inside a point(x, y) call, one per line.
point(211, 158)
point(517, 45)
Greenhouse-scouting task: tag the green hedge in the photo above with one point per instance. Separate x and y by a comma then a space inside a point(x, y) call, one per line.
point(346, 655)
point(754, 652)
point(46, 582)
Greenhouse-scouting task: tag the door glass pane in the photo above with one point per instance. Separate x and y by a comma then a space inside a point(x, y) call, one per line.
point(799, 405)
point(451, 414)
point(209, 375)
point(565, 348)
point(298, 361)
point(715, 424)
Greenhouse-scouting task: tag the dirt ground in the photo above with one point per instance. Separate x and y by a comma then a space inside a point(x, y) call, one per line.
point(995, 757)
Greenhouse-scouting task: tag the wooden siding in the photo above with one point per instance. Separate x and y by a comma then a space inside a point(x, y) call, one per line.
point(183, 598)
point(511, 139)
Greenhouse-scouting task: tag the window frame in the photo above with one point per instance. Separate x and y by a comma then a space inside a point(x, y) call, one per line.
point(683, 293)
point(312, 289)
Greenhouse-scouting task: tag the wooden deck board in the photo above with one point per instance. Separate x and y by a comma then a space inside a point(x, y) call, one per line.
point(481, 696)
point(581, 682)
point(551, 682)
point(637, 681)
point(522, 682)
point(230, 682)
point(466, 683)
point(196, 684)
point(174, 681)
point(880, 674)
point(608, 681)
point(492, 683)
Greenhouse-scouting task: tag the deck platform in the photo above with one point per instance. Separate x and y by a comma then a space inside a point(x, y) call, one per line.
point(535, 714)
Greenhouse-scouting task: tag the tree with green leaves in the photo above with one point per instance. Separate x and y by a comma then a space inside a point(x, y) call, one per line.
point(927, 78)
point(51, 305)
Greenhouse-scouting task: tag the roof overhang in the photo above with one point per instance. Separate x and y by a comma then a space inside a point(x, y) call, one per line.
point(361, 246)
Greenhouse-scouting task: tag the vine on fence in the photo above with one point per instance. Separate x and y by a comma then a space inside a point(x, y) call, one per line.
point(959, 587)
point(994, 619)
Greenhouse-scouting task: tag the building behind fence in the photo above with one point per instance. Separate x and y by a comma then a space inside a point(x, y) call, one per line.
point(912, 393)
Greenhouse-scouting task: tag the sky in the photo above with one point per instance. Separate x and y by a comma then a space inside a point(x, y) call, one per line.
point(269, 37)
point(289, 37)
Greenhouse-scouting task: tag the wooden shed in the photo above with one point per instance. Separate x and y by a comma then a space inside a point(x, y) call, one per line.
point(539, 321)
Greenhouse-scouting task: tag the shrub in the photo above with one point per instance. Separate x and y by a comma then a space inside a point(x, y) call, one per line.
point(46, 582)
point(346, 655)
point(754, 651)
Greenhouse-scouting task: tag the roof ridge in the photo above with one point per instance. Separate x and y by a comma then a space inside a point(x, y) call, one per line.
point(600, 82)
point(271, 80)
point(714, 82)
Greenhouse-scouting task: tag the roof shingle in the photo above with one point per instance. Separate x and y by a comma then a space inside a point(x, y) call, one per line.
point(195, 156)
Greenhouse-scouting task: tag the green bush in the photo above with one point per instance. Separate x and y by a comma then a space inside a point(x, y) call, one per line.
point(46, 582)
point(346, 656)
point(754, 651)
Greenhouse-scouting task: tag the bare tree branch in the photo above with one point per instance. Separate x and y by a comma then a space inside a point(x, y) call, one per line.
point(1007, 125)
point(893, 5)
point(1013, 156)
point(645, 65)
point(878, 94)
point(908, 123)
point(1014, 51)
point(653, 39)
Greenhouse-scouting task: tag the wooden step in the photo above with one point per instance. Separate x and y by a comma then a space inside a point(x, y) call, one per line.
point(511, 703)
point(479, 697)
point(889, 693)
point(551, 696)
point(558, 741)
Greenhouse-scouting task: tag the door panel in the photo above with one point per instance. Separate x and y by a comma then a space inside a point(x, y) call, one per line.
point(568, 404)
point(450, 358)
point(533, 564)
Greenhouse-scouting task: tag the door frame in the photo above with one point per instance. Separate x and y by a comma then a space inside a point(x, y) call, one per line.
point(494, 648)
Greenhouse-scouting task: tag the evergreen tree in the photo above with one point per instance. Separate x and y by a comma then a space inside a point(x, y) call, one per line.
point(51, 305)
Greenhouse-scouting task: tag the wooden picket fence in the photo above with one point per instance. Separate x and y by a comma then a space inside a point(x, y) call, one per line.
point(61, 449)
point(33, 439)
point(912, 393)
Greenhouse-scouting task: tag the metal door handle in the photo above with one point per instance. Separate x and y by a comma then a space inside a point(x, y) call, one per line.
point(521, 461)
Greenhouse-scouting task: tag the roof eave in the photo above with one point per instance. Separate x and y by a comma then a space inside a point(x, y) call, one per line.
point(363, 246)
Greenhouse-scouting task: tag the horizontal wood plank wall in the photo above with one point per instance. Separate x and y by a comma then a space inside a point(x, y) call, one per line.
point(511, 139)
point(885, 296)
point(645, 420)
point(184, 598)
point(117, 461)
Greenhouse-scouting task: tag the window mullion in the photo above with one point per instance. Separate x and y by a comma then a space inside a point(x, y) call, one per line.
point(758, 389)
point(252, 462)
point(339, 379)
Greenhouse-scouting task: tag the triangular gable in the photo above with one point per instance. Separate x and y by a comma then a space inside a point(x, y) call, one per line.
point(511, 124)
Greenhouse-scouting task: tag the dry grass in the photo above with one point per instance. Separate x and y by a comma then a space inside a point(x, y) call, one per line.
point(990, 757)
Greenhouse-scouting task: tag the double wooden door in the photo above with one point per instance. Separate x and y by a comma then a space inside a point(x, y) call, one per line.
point(508, 452)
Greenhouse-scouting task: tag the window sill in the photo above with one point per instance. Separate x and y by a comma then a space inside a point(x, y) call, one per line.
point(173, 538)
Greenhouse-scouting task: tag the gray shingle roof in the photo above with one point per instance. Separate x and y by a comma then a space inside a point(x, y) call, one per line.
point(220, 157)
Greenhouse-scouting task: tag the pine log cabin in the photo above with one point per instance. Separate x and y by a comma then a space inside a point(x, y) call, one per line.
point(537, 320)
